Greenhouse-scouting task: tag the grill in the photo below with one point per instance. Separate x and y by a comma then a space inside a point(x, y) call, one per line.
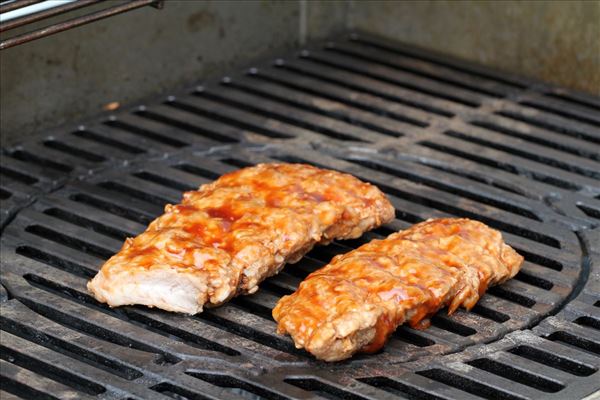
point(441, 137)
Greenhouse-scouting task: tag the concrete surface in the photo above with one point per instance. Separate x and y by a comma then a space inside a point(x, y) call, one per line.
point(71, 75)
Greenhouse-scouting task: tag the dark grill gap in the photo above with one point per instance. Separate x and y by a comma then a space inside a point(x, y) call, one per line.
point(412, 337)
point(552, 360)
point(236, 386)
point(347, 101)
point(185, 126)
point(322, 389)
point(411, 70)
point(577, 101)
point(576, 341)
point(560, 112)
point(501, 165)
point(519, 231)
point(111, 208)
point(235, 162)
point(349, 85)
point(19, 176)
point(161, 180)
point(583, 152)
point(69, 241)
point(73, 351)
point(471, 176)
point(145, 133)
point(281, 117)
point(73, 151)
point(525, 154)
point(196, 170)
point(50, 250)
point(512, 296)
point(315, 110)
point(25, 391)
point(51, 372)
point(539, 259)
point(109, 231)
point(590, 322)
point(41, 161)
point(399, 389)
point(432, 59)
point(56, 262)
point(452, 326)
point(590, 212)
point(222, 118)
point(135, 193)
point(468, 385)
point(534, 280)
point(550, 126)
point(516, 375)
point(173, 332)
point(404, 84)
point(176, 392)
point(247, 332)
point(489, 313)
point(94, 137)
point(5, 194)
point(446, 188)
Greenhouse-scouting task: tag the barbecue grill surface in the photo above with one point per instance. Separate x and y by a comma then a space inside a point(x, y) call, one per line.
point(439, 136)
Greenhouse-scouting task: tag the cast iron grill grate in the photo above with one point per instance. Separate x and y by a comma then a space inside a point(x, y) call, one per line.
point(440, 137)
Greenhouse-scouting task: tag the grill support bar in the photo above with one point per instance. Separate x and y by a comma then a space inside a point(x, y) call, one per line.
point(69, 24)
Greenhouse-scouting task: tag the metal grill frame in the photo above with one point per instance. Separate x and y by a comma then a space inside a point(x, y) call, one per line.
point(358, 104)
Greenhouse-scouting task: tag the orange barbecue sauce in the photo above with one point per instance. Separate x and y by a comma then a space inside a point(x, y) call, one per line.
point(291, 186)
point(383, 329)
point(410, 276)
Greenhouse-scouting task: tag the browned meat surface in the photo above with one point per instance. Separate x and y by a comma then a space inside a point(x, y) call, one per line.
point(229, 235)
point(355, 302)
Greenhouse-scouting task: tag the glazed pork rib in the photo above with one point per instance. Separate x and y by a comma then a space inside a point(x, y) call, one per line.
point(354, 303)
point(229, 235)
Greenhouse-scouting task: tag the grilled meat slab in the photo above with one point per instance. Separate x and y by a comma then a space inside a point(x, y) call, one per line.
point(229, 235)
point(354, 303)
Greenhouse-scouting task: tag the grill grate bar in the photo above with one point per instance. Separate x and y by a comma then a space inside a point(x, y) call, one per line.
point(394, 77)
point(459, 82)
point(364, 84)
point(441, 137)
point(323, 90)
point(440, 60)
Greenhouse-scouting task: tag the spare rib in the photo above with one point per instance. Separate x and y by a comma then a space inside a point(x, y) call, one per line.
point(229, 235)
point(354, 303)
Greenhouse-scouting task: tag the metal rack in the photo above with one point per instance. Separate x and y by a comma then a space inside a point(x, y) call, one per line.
point(19, 13)
point(439, 136)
